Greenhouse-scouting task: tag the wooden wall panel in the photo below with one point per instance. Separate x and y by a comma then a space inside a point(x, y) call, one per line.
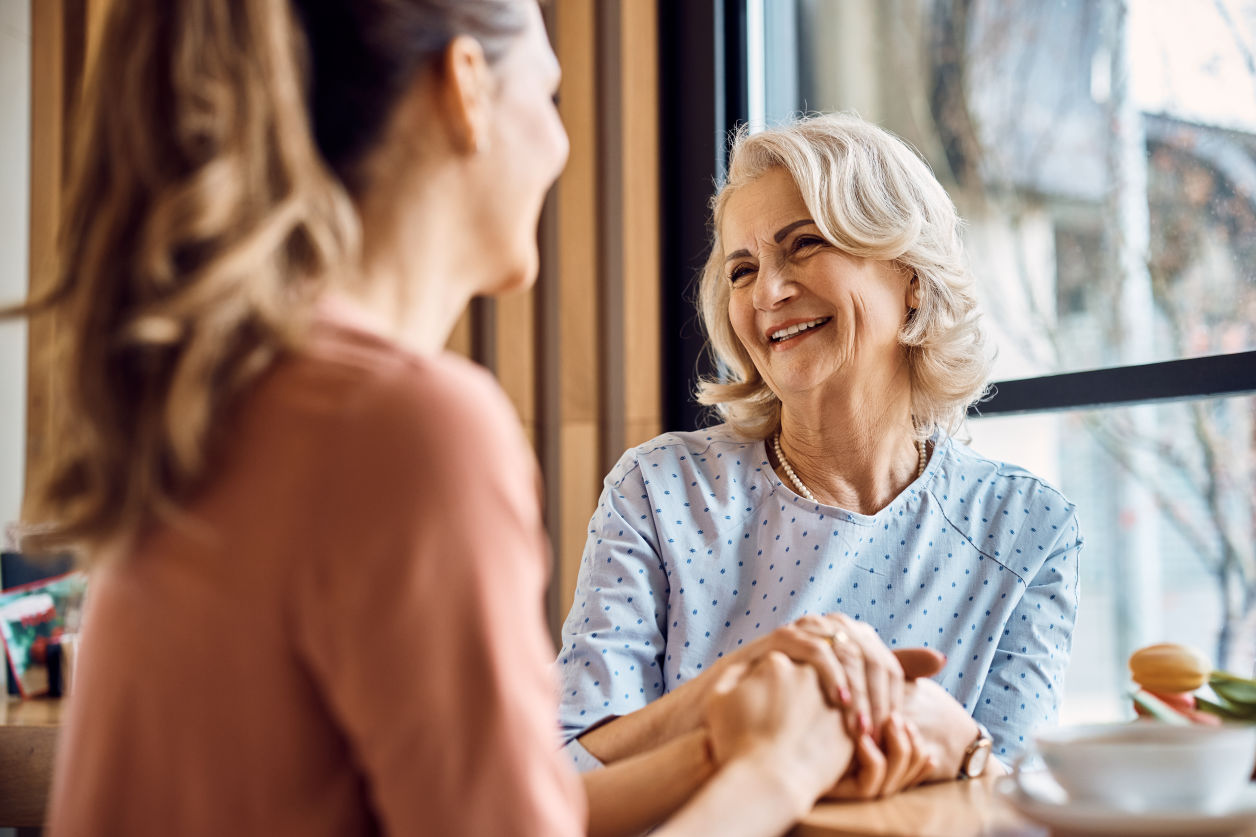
point(576, 258)
point(47, 144)
point(642, 316)
point(63, 35)
point(604, 242)
point(516, 357)
point(461, 339)
point(579, 355)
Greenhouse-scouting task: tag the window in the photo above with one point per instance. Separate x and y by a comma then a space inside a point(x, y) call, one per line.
point(1103, 154)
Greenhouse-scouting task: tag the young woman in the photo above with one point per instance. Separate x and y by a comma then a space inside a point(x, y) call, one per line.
point(318, 558)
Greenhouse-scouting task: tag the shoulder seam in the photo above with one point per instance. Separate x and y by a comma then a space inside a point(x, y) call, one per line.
point(959, 451)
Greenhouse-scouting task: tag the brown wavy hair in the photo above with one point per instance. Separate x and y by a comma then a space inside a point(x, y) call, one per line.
point(210, 199)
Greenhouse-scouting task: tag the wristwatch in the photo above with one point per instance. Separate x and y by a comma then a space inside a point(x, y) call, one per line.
point(973, 764)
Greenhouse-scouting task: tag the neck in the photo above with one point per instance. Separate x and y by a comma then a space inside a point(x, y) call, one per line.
point(853, 453)
point(420, 262)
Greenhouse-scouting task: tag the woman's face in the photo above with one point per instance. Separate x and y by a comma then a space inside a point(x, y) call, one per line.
point(525, 151)
point(810, 316)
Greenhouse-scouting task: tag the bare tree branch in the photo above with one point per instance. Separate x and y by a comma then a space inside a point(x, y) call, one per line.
point(1243, 48)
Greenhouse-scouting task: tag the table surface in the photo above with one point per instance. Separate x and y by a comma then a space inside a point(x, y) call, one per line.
point(37, 712)
point(28, 741)
point(28, 730)
point(949, 809)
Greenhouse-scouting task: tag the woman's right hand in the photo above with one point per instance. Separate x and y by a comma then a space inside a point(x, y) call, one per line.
point(772, 711)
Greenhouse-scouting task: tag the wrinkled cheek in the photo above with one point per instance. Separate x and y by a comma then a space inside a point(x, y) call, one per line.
point(852, 340)
point(742, 334)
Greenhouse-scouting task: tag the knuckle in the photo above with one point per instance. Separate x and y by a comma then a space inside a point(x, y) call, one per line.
point(776, 658)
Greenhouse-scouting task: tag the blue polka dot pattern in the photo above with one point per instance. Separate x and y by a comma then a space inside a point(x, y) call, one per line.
point(697, 548)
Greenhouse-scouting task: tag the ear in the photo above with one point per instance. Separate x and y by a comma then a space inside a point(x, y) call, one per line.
point(466, 88)
point(913, 289)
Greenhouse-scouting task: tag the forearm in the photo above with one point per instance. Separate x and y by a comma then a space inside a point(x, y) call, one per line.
point(674, 714)
point(635, 794)
point(748, 796)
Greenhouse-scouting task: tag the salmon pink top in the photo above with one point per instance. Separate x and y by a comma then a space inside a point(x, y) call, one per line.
point(344, 636)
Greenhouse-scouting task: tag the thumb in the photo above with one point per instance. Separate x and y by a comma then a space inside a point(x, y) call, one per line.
point(729, 678)
point(919, 662)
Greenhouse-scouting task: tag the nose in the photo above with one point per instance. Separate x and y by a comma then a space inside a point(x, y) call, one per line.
point(773, 287)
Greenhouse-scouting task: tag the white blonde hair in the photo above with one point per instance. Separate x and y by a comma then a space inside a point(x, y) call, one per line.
point(873, 197)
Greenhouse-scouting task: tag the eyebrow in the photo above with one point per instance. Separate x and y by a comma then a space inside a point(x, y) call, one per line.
point(778, 238)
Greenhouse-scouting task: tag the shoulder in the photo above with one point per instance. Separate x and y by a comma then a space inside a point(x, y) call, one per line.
point(359, 397)
point(1004, 510)
point(965, 473)
point(706, 452)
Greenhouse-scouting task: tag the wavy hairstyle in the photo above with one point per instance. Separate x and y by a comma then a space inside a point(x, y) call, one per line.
point(872, 197)
point(210, 199)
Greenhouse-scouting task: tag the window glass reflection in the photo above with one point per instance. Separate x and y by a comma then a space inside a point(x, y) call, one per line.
point(1167, 501)
point(1103, 153)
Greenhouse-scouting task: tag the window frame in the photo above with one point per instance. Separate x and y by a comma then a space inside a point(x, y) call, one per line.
point(704, 95)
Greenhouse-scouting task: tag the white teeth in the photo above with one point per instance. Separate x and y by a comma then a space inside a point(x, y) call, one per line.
point(786, 333)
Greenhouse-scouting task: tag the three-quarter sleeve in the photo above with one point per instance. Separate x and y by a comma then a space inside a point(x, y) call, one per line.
point(1024, 687)
point(421, 618)
point(611, 660)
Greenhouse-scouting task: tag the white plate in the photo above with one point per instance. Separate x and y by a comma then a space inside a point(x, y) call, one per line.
point(1038, 797)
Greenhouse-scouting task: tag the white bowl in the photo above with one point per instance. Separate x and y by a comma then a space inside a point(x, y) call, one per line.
point(1148, 766)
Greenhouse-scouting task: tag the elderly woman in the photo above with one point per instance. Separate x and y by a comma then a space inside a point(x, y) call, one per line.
point(839, 304)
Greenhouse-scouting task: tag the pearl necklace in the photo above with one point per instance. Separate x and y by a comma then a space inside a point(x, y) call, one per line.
point(806, 492)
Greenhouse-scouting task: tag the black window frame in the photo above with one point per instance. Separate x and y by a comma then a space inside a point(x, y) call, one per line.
point(703, 95)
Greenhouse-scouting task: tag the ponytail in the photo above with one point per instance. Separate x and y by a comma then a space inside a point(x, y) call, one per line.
point(200, 222)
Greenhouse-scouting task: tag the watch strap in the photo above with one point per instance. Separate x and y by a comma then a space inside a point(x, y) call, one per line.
point(973, 764)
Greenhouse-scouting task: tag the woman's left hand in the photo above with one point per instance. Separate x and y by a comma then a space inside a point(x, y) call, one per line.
point(873, 674)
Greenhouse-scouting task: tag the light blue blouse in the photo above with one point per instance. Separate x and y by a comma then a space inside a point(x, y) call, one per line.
point(697, 548)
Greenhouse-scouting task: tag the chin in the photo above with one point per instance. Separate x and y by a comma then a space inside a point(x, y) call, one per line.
point(520, 275)
point(514, 281)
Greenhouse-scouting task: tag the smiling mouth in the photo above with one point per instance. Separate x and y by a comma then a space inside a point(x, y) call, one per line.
point(797, 329)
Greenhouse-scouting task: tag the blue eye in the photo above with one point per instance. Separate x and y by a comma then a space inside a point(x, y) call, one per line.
point(739, 272)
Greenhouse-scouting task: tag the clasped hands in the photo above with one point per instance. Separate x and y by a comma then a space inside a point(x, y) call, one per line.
point(837, 711)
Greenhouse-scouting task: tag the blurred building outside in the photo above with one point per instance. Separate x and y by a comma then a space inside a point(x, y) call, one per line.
point(1103, 154)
